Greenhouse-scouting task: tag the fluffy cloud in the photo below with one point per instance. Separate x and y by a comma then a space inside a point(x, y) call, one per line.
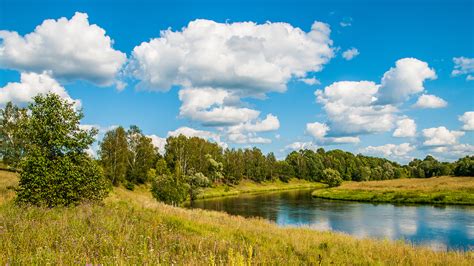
point(29, 86)
point(191, 132)
point(404, 80)
point(250, 58)
point(405, 128)
point(463, 66)
point(246, 132)
point(350, 108)
point(296, 146)
point(389, 150)
point(310, 81)
point(216, 65)
point(430, 101)
point(453, 152)
point(441, 136)
point(214, 107)
point(158, 142)
point(67, 49)
point(319, 131)
point(468, 119)
point(349, 54)
point(364, 107)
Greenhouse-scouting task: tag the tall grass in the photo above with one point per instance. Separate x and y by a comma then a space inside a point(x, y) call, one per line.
point(247, 187)
point(130, 227)
point(435, 190)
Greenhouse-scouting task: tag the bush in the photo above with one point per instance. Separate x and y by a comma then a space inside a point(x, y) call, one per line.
point(68, 180)
point(169, 189)
point(56, 171)
point(332, 177)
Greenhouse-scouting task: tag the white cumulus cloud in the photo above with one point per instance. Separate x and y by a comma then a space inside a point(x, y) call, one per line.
point(30, 85)
point(319, 131)
point(158, 142)
point(405, 128)
point(430, 101)
point(244, 56)
point(468, 119)
point(404, 80)
point(350, 108)
point(389, 150)
point(298, 145)
point(365, 107)
point(214, 107)
point(441, 136)
point(66, 48)
point(349, 54)
point(463, 66)
point(191, 132)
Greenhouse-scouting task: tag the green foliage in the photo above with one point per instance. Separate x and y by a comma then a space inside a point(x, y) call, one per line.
point(56, 170)
point(195, 183)
point(191, 154)
point(332, 177)
point(169, 189)
point(141, 156)
point(113, 155)
point(161, 168)
point(12, 141)
point(464, 166)
point(127, 156)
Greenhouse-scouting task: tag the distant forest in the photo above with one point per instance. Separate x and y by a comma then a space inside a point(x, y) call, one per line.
point(128, 157)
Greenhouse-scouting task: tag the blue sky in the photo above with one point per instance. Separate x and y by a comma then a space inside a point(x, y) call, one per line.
point(242, 84)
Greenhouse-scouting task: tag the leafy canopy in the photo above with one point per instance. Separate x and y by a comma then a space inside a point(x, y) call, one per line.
point(56, 170)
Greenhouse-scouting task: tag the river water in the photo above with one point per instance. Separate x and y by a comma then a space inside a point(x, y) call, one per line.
point(439, 227)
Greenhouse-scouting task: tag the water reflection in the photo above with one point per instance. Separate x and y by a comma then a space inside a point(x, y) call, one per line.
point(440, 227)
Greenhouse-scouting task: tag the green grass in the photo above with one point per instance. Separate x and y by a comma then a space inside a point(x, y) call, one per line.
point(436, 190)
point(247, 186)
point(130, 227)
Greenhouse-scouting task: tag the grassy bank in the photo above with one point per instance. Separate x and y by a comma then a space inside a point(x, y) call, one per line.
point(436, 190)
point(253, 187)
point(132, 228)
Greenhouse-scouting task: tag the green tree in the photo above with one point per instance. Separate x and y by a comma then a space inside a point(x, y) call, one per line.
point(12, 141)
point(332, 177)
point(169, 189)
point(464, 166)
point(196, 182)
point(141, 156)
point(161, 167)
point(215, 169)
point(56, 169)
point(113, 155)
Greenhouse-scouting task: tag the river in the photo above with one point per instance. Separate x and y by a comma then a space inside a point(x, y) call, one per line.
point(439, 227)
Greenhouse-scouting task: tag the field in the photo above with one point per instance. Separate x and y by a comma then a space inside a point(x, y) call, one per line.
point(436, 190)
point(252, 187)
point(130, 227)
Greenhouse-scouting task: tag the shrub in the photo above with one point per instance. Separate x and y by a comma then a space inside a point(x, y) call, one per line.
point(169, 189)
point(56, 170)
point(331, 177)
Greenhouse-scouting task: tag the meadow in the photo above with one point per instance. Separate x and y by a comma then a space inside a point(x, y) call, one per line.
point(130, 227)
point(250, 187)
point(435, 190)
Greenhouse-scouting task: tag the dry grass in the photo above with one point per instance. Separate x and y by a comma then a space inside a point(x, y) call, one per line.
point(132, 228)
point(250, 187)
point(439, 190)
point(418, 184)
point(8, 183)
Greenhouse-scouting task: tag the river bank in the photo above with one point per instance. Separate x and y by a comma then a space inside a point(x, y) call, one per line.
point(130, 227)
point(250, 187)
point(435, 190)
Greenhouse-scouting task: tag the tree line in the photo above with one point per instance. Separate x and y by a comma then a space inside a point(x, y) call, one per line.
point(47, 145)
